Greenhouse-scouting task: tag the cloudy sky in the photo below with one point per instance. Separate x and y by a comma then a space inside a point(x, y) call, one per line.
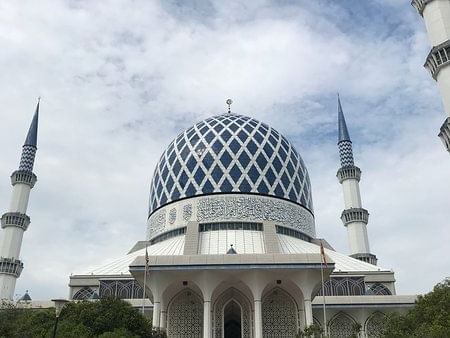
point(120, 79)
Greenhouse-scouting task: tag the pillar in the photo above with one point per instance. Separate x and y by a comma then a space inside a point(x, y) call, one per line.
point(207, 319)
point(308, 313)
point(258, 319)
point(156, 314)
point(163, 321)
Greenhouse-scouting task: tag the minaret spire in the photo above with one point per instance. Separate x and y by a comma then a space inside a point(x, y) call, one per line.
point(15, 222)
point(354, 217)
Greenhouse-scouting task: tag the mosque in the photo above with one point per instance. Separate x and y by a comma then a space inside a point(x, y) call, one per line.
point(231, 247)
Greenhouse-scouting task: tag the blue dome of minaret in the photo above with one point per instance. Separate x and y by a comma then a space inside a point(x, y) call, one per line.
point(230, 153)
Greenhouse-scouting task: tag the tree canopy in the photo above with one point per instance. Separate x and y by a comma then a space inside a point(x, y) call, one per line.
point(430, 317)
point(105, 318)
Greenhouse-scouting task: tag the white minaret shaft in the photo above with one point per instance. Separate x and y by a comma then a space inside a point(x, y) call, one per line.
point(15, 222)
point(354, 217)
point(436, 14)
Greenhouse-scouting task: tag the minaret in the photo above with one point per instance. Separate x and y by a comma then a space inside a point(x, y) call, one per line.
point(436, 14)
point(15, 222)
point(354, 217)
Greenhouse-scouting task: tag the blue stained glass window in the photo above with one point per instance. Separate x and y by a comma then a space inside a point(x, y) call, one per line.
point(284, 143)
point(163, 199)
point(252, 147)
point(183, 179)
point(191, 163)
point(175, 194)
point(179, 137)
point(244, 159)
point(285, 180)
point(207, 187)
point(176, 168)
point(261, 161)
point(235, 146)
point(225, 135)
point(194, 139)
point(226, 186)
point(290, 169)
point(172, 158)
point(245, 186)
point(262, 188)
point(282, 154)
point(272, 140)
point(199, 176)
point(268, 150)
point(253, 123)
point(235, 173)
point(294, 161)
point(218, 128)
point(233, 127)
point(258, 137)
point(253, 173)
point(207, 160)
point(297, 185)
point(209, 136)
point(242, 136)
point(169, 183)
point(165, 172)
point(159, 189)
point(226, 159)
point(184, 153)
point(212, 122)
point(302, 200)
point(279, 190)
point(190, 191)
point(292, 195)
point(248, 128)
point(217, 146)
point(217, 174)
point(202, 128)
point(190, 132)
point(270, 176)
point(277, 164)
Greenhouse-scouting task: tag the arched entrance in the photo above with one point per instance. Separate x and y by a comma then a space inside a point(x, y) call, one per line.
point(185, 316)
point(232, 315)
point(232, 320)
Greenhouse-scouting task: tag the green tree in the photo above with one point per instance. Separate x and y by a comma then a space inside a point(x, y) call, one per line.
point(106, 318)
point(430, 317)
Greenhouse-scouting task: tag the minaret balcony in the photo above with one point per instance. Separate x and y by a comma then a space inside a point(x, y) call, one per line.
point(11, 266)
point(348, 172)
point(15, 219)
point(438, 58)
point(366, 257)
point(25, 177)
point(355, 215)
point(420, 5)
point(444, 134)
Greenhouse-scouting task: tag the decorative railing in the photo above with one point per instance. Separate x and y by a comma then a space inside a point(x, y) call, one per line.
point(11, 266)
point(355, 215)
point(438, 58)
point(444, 133)
point(15, 219)
point(345, 173)
point(21, 176)
point(420, 5)
point(366, 257)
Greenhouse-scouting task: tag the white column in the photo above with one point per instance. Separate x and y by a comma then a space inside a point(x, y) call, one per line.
point(163, 322)
point(207, 319)
point(258, 319)
point(156, 314)
point(308, 312)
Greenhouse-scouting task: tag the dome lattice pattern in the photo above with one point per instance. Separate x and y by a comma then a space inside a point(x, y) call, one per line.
point(230, 153)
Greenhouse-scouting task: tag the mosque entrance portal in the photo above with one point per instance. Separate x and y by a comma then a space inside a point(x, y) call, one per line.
point(232, 320)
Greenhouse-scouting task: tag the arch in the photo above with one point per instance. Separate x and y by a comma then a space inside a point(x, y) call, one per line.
point(230, 295)
point(279, 314)
point(185, 315)
point(232, 319)
point(375, 325)
point(342, 325)
point(378, 289)
point(84, 293)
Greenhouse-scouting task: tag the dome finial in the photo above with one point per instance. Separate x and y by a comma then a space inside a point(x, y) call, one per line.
point(229, 102)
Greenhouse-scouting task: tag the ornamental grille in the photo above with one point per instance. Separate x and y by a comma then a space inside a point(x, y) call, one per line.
point(121, 289)
point(185, 316)
point(279, 315)
point(83, 294)
point(342, 326)
point(376, 325)
point(347, 286)
point(346, 153)
point(378, 289)
point(230, 153)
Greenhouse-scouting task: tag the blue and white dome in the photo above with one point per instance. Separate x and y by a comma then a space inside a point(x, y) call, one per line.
point(230, 154)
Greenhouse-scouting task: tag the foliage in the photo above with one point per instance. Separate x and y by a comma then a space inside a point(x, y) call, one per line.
point(313, 330)
point(430, 317)
point(106, 318)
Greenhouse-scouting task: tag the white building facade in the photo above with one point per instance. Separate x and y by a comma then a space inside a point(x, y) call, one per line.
point(232, 247)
